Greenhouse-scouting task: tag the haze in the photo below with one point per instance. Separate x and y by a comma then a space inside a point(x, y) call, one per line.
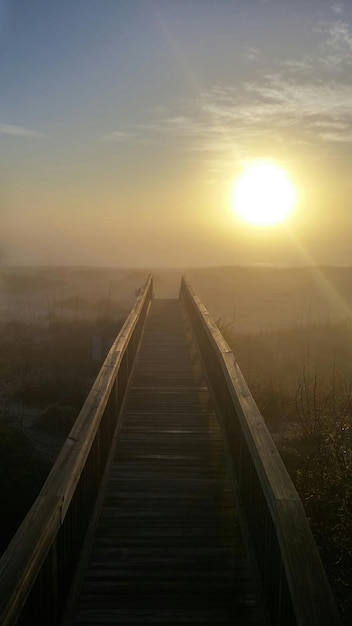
point(123, 126)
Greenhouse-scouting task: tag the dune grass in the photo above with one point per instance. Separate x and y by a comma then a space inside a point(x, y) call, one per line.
point(301, 379)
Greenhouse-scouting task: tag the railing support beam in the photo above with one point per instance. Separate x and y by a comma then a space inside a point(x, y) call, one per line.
point(38, 566)
point(293, 577)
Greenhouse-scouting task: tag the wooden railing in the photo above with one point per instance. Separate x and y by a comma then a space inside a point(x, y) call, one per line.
point(38, 566)
point(294, 581)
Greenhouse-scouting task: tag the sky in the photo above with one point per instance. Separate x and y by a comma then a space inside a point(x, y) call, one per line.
point(124, 124)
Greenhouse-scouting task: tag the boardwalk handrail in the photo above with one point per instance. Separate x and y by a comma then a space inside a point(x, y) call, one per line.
point(37, 567)
point(294, 580)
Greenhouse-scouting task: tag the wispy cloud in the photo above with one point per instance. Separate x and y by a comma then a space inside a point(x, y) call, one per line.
point(299, 65)
point(18, 131)
point(290, 100)
point(118, 136)
point(301, 101)
point(336, 45)
point(337, 7)
point(337, 137)
point(252, 54)
point(275, 103)
point(225, 125)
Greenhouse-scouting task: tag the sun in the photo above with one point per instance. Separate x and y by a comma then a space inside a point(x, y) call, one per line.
point(263, 194)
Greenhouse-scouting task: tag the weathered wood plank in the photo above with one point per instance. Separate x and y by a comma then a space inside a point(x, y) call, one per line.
point(168, 547)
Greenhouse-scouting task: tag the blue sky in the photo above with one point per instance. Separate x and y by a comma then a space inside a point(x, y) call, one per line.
point(123, 124)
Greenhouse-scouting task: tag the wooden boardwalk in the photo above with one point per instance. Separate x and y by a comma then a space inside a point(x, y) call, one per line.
point(168, 547)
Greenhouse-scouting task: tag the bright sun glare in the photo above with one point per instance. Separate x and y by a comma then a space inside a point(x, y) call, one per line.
point(264, 194)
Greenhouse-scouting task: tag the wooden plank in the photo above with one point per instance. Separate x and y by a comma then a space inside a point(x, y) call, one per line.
point(168, 547)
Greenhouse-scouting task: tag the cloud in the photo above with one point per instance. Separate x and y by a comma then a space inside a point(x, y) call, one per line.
point(337, 137)
point(225, 124)
point(338, 7)
point(336, 47)
point(119, 137)
point(252, 54)
point(300, 101)
point(333, 51)
point(18, 131)
point(340, 36)
point(298, 66)
point(290, 100)
point(180, 126)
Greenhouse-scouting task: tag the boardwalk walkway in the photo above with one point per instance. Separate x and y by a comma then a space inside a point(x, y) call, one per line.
point(168, 547)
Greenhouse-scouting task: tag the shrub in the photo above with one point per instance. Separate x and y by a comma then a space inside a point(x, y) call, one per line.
point(300, 391)
point(56, 420)
point(22, 473)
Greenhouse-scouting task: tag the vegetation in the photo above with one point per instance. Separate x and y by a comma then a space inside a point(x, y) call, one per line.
point(299, 375)
point(52, 363)
point(46, 371)
point(301, 379)
point(22, 473)
point(56, 419)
